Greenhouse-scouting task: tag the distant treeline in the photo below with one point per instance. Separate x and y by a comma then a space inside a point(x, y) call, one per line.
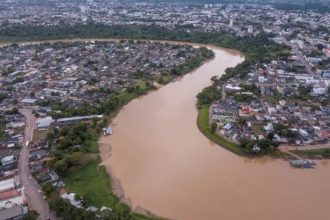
point(317, 7)
point(256, 46)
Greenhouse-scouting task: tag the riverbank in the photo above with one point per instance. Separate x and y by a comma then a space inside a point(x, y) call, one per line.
point(160, 168)
point(314, 154)
point(205, 127)
point(90, 179)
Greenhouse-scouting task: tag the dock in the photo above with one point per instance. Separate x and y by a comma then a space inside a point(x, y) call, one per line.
point(297, 161)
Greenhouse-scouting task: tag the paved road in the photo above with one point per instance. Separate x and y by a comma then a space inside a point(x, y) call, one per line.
point(307, 147)
point(34, 198)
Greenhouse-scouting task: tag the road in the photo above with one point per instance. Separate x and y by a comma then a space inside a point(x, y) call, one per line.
point(302, 58)
point(34, 198)
point(300, 55)
point(306, 147)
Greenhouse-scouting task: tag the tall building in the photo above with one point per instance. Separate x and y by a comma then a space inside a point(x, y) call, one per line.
point(231, 23)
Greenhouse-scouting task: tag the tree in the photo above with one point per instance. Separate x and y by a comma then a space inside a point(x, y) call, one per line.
point(161, 80)
point(214, 127)
point(48, 189)
point(208, 95)
point(61, 166)
point(214, 78)
point(50, 136)
point(270, 136)
point(130, 89)
point(31, 215)
point(77, 158)
point(2, 96)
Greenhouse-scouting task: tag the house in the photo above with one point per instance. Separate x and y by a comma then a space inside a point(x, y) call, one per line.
point(13, 213)
point(319, 90)
point(11, 198)
point(72, 199)
point(246, 111)
point(44, 122)
point(8, 184)
point(8, 160)
point(18, 124)
point(38, 154)
point(269, 127)
point(228, 126)
point(28, 101)
point(303, 133)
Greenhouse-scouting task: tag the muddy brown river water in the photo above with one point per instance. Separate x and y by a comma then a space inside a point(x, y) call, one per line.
point(166, 165)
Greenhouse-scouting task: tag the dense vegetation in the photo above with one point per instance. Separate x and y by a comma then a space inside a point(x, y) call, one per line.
point(266, 145)
point(70, 145)
point(3, 134)
point(255, 46)
point(31, 215)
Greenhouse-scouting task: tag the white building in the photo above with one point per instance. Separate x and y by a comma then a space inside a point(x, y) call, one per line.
point(8, 160)
point(44, 122)
point(6, 185)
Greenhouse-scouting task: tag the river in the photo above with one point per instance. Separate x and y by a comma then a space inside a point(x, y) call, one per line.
point(167, 166)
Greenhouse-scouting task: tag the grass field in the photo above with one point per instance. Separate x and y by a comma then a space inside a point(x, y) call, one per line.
point(39, 135)
point(92, 180)
point(204, 127)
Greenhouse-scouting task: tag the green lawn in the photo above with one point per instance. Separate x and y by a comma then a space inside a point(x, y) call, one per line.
point(204, 127)
point(92, 180)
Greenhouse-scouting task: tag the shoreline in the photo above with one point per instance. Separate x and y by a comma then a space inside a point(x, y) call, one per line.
point(116, 186)
point(105, 149)
point(103, 146)
point(105, 153)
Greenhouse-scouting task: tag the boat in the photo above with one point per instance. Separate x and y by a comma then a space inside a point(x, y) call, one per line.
point(302, 163)
point(107, 131)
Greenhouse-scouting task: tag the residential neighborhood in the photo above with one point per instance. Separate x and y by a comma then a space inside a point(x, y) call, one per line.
point(287, 100)
point(69, 68)
point(40, 81)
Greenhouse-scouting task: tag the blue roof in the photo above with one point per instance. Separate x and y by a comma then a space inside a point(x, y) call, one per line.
point(326, 74)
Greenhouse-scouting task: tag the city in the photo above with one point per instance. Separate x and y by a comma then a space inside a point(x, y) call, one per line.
point(106, 108)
